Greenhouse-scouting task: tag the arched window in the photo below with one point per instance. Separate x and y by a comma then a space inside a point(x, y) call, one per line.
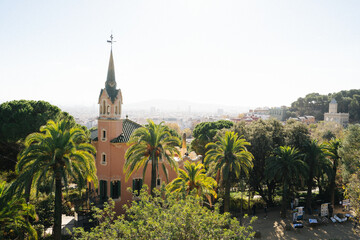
point(116, 109)
point(108, 109)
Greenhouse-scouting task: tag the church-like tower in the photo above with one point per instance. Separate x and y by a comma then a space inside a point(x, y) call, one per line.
point(110, 102)
point(111, 143)
point(110, 126)
point(110, 99)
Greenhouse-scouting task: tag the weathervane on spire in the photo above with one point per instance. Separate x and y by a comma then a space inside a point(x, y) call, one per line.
point(111, 40)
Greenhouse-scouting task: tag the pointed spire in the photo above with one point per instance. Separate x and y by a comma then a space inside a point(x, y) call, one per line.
point(110, 84)
point(110, 80)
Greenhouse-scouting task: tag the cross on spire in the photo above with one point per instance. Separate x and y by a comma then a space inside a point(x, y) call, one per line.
point(111, 40)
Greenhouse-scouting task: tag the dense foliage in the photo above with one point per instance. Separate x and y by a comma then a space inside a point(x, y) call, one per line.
point(171, 216)
point(286, 167)
point(229, 156)
point(149, 145)
point(18, 119)
point(193, 177)
point(15, 215)
point(205, 133)
point(55, 155)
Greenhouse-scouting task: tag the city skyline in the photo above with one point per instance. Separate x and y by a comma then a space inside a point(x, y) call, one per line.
point(234, 53)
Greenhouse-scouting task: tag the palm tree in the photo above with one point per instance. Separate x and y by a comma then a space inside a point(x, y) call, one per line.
point(194, 177)
point(56, 155)
point(315, 158)
point(332, 151)
point(152, 144)
point(230, 157)
point(286, 167)
point(14, 215)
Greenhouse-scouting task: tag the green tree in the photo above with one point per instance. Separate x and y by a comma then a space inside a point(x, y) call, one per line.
point(15, 215)
point(264, 136)
point(286, 166)
point(350, 151)
point(332, 152)
point(354, 108)
point(59, 153)
point(150, 145)
point(297, 135)
point(205, 132)
point(318, 164)
point(230, 156)
point(325, 131)
point(352, 192)
point(18, 119)
point(193, 177)
point(167, 217)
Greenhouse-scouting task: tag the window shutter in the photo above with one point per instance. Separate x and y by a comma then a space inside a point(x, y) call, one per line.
point(119, 188)
point(101, 188)
point(134, 184)
point(105, 189)
point(111, 190)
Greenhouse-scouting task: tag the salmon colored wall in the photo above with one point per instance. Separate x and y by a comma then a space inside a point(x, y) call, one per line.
point(115, 153)
point(113, 170)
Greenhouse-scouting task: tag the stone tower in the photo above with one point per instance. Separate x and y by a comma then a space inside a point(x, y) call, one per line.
point(333, 106)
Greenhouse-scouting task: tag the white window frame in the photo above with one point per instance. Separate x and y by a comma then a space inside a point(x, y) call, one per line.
point(102, 162)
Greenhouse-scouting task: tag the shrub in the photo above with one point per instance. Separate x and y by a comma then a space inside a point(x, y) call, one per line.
point(169, 217)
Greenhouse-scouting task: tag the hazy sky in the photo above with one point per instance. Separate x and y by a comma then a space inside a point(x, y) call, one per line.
point(248, 53)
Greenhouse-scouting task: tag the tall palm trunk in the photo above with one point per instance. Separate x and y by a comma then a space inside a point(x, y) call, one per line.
point(332, 184)
point(227, 195)
point(284, 201)
point(153, 175)
point(57, 210)
point(309, 191)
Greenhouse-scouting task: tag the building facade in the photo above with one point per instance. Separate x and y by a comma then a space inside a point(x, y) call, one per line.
point(334, 116)
point(111, 142)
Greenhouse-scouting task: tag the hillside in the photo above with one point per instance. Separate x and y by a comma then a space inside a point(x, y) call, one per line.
point(315, 104)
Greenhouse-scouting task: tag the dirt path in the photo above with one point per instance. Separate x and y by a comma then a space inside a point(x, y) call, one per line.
point(273, 227)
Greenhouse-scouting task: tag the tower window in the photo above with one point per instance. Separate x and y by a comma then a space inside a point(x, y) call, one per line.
point(103, 135)
point(103, 159)
point(116, 110)
point(108, 110)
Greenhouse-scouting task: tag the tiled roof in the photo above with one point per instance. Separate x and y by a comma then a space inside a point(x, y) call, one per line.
point(128, 128)
point(94, 134)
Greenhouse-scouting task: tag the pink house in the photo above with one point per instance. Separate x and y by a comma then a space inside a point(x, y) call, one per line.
point(110, 141)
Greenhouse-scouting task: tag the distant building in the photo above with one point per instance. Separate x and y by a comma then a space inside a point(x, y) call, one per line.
point(260, 111)
point(278, 113)
point(305, 119)
point(247, 119)
point(334, 116)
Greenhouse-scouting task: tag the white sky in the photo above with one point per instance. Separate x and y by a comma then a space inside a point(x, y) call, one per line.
point(247, 53)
